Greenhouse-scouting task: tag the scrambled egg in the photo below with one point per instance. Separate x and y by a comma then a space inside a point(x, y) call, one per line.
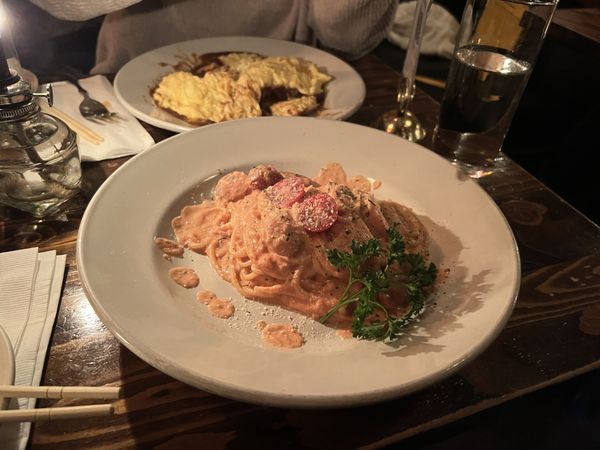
point(295, 106)
point(233, 91)
point(278, 71)
point(215, 97)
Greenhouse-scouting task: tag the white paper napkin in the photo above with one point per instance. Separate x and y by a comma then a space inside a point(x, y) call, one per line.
point(440, 29)
point(121, 137)
point(30, 285)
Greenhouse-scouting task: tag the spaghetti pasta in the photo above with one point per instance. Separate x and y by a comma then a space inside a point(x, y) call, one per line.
point(267, 246)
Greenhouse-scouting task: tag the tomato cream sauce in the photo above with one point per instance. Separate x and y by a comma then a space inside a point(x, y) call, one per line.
point(267, 233)
point(344, 334)
point(223, 309)
point(281, 335)
point(169, 248)
point(184, 277)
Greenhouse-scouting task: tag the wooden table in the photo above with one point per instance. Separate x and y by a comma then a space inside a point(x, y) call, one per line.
point(584, 22)
point(552, 336)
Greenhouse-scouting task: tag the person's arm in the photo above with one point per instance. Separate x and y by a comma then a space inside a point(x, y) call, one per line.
point(351, 27)
point(80, 10)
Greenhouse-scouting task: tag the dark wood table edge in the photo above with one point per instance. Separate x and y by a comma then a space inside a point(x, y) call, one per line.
point(475, 409)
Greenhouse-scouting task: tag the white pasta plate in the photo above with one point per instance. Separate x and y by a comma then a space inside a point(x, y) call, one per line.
point(133, 83)
point(126, 278)
point(7, 364)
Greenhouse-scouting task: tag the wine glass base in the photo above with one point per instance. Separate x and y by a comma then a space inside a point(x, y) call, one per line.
point(475, 171)
point(407, 126)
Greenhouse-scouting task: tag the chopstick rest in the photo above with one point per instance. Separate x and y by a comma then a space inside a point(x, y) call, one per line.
point(58, 413)
point(90, 392)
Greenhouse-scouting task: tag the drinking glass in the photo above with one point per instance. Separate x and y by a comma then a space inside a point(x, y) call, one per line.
point(496, 48)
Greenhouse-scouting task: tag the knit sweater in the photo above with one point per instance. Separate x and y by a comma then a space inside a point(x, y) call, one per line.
point(350, 28)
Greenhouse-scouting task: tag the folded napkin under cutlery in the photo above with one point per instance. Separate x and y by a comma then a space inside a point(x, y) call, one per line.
point(121, 137)
point(30, 286)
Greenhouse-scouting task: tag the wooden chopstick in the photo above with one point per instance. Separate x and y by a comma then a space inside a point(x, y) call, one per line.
point(58, 413)
point(431, 81)
point(100, 392)
point(79, 128)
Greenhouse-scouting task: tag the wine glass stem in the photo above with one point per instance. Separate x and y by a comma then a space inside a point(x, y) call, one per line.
point(406, 87)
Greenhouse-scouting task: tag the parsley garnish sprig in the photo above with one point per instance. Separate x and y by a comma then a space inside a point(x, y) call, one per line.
point(364, 285)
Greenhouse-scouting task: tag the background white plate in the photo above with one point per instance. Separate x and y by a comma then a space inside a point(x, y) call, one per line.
point(345, 93)
point(7, 364)
point(127, 283)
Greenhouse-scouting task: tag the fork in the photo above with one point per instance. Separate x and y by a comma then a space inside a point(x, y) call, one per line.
point(89, 108)
point(92, 109)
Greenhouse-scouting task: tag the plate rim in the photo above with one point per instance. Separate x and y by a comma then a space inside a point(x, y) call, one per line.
point(179, 128)
point(5, 341)
point(317, 401)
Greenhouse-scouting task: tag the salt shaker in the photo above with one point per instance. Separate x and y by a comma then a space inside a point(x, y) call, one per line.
point(39, 160)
